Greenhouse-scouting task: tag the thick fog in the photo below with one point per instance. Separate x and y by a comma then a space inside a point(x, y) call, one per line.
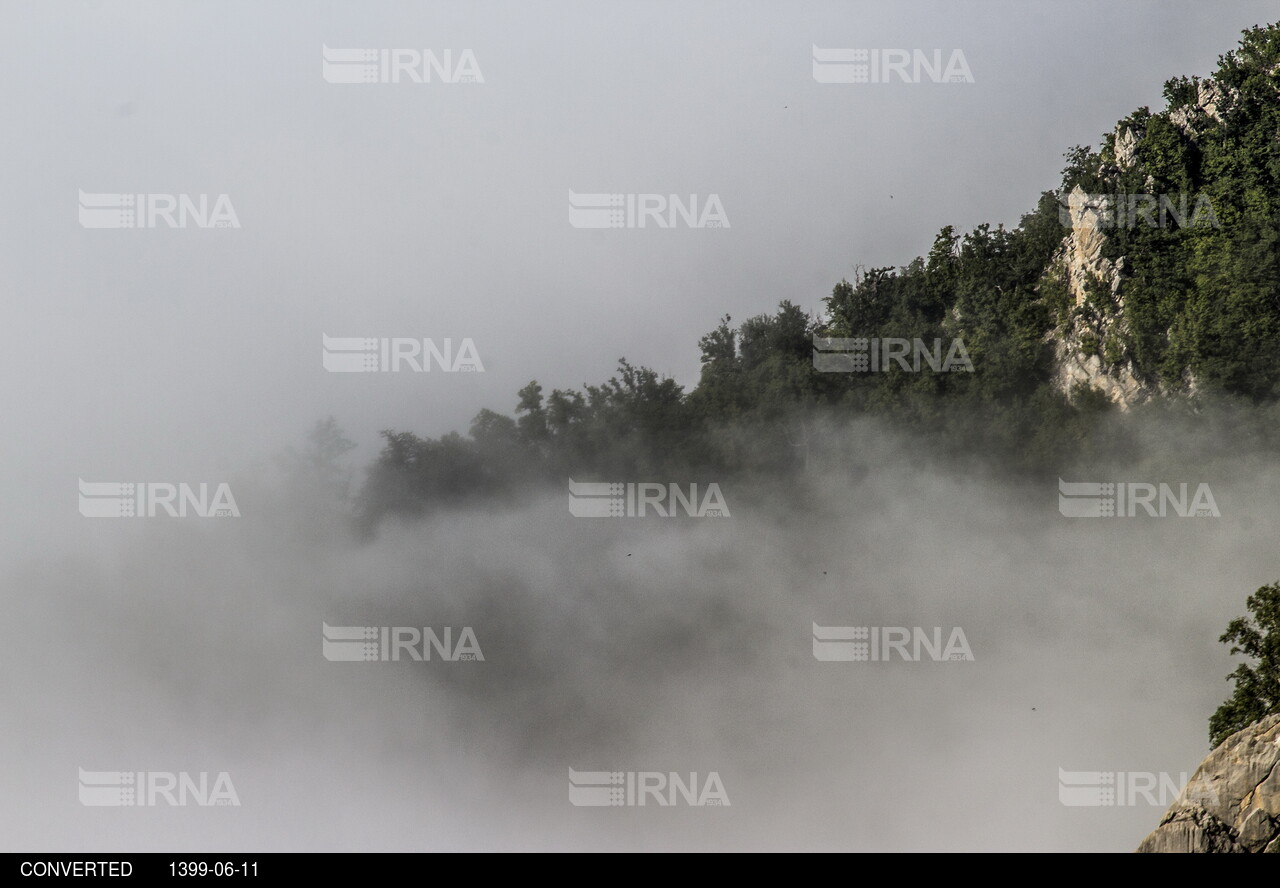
point(648, 644)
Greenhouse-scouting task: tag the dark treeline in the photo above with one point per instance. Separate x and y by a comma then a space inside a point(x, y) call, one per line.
point(1201, 324)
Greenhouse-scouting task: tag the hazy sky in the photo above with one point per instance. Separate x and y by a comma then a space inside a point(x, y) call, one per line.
point(440, 210)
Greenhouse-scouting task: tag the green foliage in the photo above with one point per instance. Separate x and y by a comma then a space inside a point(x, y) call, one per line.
point(1081, 170)
point(1198, 299)
point(1088, 400)
point(1257, 690)
point(1088, 344)
point(1202, 294)
point(1113, 350)
point(1179, 91)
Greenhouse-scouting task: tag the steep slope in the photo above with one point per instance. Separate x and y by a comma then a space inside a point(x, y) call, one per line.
point(1231, 804)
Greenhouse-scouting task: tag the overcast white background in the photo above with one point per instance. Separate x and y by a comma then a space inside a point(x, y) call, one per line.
point(438, 210)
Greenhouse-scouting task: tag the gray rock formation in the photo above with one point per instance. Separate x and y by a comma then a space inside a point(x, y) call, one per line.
point(1126, 145)
point(1232, 803)
point(1089, 349)
point(1088, 215)
point(1210, 99)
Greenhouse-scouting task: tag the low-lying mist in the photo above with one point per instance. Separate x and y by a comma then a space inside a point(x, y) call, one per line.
point(645, 644)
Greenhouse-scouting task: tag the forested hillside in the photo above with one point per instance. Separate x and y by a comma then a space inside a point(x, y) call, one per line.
point(1148, 279)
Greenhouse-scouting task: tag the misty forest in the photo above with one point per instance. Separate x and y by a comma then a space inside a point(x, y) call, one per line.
point(1112, 353)
point(1188, 313)
point(1177, 325)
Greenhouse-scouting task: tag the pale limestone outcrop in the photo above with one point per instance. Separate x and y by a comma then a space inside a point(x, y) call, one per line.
point(1210, 99)
point(1087, 215)
point(1232, 802)
point(1088, 349)
point(1126, 145)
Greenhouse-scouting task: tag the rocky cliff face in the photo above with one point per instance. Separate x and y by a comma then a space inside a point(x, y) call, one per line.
point(1090, 347)
point(1210, 98)
point(1232, 802)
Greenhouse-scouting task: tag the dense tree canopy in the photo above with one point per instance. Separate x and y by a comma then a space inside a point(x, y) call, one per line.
point(1200, 304)
point(1257, 690)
